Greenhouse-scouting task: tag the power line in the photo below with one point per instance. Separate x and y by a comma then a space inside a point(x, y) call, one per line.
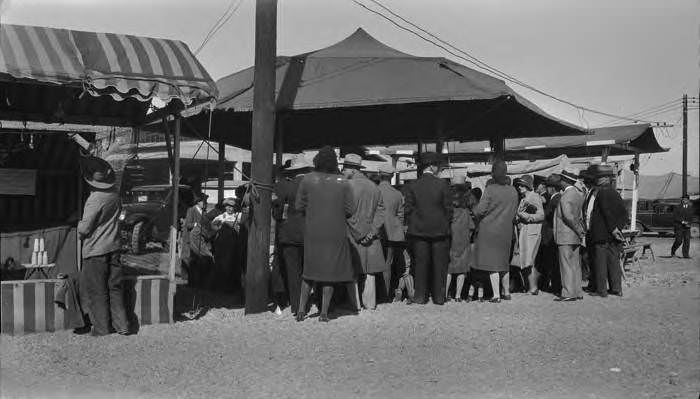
point(478, 63)
point(223, 19)
point(641, 114)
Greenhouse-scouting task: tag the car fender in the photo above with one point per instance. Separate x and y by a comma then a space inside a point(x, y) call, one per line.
point(134, 218)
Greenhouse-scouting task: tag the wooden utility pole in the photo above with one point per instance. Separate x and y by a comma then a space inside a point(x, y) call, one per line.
point(685, 144)
point(257, 273)
point(175, 200)
point(222, 170)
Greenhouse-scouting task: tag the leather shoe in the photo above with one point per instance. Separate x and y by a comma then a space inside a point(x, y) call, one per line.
point(535, 292)
point(323, 318)
point(616, 293)
point(506, 297)
point(300, 315)
point(495, 300)
point(562, 299)
point(598, 294)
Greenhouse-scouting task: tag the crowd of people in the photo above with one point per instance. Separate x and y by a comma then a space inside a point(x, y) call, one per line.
point(435, 239)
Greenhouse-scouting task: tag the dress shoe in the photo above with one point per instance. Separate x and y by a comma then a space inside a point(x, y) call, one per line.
point(589, 289)
point(598, 294)
point(495, 300)
point(687, 257)
point(300, 316)
point(535, 292)
point(616, 293)
point(562, 299)
point(506, 297)
point(579, 298)
point(323, 318)
point(458, 299)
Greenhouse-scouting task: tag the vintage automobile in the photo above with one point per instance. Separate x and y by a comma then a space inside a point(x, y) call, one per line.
point(147, 212)
point(657, 217)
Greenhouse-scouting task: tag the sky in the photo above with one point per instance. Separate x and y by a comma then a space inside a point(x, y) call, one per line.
point(620, 56)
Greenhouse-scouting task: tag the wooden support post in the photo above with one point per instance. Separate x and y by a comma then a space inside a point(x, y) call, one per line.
point(222, 170)
point(635, 193)
point(279, 142)
point(417, 158)
point(257, 273)
point(498, 148)
point(685, 146)
point(176, 199)
point(604, 155)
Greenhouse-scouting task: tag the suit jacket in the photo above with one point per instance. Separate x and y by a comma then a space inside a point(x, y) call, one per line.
point(681, 214)
point(609, 212)
point(393, 212)
point(428, 207)
point(568, 224)
point(548, 225)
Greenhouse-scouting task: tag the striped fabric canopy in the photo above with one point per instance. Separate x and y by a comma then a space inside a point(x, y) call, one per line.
point(122, 66)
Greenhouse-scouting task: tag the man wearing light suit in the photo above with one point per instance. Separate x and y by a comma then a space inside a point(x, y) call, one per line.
point(568, 234)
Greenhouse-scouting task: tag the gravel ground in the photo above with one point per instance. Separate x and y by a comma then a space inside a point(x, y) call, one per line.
point(644, 345)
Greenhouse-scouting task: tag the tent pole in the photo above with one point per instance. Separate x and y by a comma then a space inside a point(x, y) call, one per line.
point(635, 193)
point(176, 198)
point(279, 142)
point(419, 154)
point(498, 148)
point(257, 268)
point(604, 155)
point(222, 169)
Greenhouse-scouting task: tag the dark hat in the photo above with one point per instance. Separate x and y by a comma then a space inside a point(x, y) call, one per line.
point(97, 172)
point(596, 171)
point(430, 158)
point(229, 202)
point(524, 180)
point(553, 180)
point(200, 197)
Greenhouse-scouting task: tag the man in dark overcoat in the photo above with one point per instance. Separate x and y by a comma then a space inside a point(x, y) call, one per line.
point(290, 227)
point(608, 218)
point(682, 215)
point(428, 209)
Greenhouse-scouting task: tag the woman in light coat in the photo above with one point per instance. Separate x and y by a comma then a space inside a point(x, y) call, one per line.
point(529, 217)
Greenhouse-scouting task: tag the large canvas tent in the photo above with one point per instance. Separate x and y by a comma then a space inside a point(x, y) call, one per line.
point(360, 91)
point(50, 75)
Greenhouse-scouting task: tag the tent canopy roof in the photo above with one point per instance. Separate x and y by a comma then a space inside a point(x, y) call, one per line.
point(66, 76)
point(622, 140)
point(361, 91)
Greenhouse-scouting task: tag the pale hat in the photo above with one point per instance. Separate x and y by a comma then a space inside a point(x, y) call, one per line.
point(229, 202)
point(570, 175)
point(386, 169)
point(299, 162)
point(353, 160)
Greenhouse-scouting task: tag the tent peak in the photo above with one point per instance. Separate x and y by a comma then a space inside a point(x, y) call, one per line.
point(359, 44)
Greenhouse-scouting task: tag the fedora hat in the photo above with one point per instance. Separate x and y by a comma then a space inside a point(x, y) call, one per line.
point(386, 169)
point(524, 180)
point(353, 161)
point(599, 170)
point(200, 197)
point(299, 162)
point(97, 172)
point(553, 180)
point(570, 175)
point(229, 202)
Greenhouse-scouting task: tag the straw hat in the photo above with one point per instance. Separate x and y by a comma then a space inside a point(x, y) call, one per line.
point(570, 175)
point(229, 202)
point(97, 172)
point(386, 169)
point(299, 162)
point(353, 161)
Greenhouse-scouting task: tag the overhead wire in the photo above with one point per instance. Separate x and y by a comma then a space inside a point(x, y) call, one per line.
point(223, 19)
point(464, 55)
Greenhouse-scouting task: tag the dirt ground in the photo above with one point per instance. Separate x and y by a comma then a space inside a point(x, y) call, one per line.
point(644, 345)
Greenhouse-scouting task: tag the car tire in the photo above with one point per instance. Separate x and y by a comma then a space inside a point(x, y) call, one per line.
point(138, 238)
point(640, 227)
point(695, 230)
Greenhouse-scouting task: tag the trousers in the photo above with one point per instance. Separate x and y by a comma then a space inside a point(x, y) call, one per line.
point(570, 270)
point(292, 265)
point(606, 265)
point(101, 278)
point(431, 258)
point(682, 238)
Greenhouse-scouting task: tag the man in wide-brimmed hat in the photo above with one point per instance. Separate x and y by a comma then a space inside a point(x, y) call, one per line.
point(394, 236)
point(568, 234)
point(365, 225)
point(290, 229)
point(608, 217)
point(682, 216)
point(428, 210)
point(101, 275)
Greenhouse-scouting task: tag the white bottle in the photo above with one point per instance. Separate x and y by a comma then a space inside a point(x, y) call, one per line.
point(35, 259)
point(44, 258)
point(36, 245)
point(41, 244)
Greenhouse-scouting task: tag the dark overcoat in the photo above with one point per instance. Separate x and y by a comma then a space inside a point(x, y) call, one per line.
point(367, 219)
point(496, 214)
point(326, 202)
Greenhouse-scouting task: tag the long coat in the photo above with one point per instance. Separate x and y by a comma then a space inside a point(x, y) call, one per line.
point(367, 219)
point(428, 207)
point(393, 229)
point(326, 202)
point(530, 218)
point(462, 228)
point(496, 214)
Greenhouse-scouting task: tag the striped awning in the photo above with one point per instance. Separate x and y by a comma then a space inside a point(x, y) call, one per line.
point(122, 66)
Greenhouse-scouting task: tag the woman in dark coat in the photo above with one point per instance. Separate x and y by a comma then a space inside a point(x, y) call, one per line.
point(325, 200)
point(496, 214)
point(461, 227)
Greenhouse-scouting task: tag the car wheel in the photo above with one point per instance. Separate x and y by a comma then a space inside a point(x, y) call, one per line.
point(640, 227)
point(138, 238)
point(695, 230)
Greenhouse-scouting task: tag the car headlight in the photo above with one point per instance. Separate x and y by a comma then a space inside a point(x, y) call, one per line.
point(122, 216)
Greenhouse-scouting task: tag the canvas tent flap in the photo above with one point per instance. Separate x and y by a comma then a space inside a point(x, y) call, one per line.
point(122, 66)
